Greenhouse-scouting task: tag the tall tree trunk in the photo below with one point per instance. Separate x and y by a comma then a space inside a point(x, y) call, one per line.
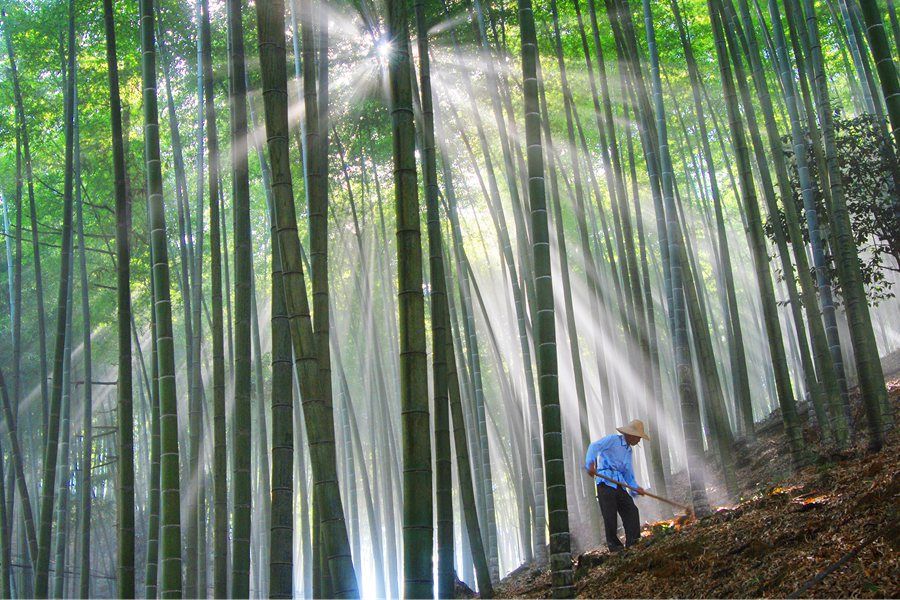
point(464, 472)
point(316, 179)
point(262, 491)
point(184, 229)
point(196, 396)
point(319, 425)
point(18, 465)
point(558, 222)
point(284, 382)
point(544, 325)
point(5, 542)
point(591, 272)
point(800, 44)
point(890, 84)
point(84, 484)
point(48, 481)
point(895, 24)
point(7, 477)
point(194, 551)
point(243, 271)
point(219, 443)
point(860, 60)
point(170, 493)
point(440, 315)
point(35, 244)
point(281, 537)
point(585, 493)
point(16, 308)
point(153, 521)
point(418, 533)
point(125, 422)
point(5, 525)
point(65, 430)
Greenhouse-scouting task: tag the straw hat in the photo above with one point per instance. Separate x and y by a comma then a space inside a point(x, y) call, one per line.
point(635, 428)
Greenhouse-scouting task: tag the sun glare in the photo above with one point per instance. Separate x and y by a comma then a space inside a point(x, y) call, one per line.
point(383, 49)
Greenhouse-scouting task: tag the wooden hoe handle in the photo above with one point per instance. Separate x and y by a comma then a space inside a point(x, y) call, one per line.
point(654, 496)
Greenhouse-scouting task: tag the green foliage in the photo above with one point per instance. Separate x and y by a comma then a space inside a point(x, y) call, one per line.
point(867, 171)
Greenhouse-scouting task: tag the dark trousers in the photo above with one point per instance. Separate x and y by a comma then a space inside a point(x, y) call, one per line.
point(617, 501)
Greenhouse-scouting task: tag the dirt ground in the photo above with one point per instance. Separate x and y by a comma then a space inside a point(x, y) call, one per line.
point(844, 508)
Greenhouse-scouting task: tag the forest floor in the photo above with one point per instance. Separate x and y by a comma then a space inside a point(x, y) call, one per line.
point(787, 530)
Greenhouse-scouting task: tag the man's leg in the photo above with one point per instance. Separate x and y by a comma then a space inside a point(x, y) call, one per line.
point(631, 519)
point(606, 497)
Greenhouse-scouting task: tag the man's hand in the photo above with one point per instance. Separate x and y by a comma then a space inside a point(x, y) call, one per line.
point(592, 471)
point(641, 491)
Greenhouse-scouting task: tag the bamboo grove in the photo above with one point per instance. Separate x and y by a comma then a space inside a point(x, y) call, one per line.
point(310, 299)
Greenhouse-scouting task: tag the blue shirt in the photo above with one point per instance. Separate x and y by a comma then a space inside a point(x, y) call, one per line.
point(611, 456)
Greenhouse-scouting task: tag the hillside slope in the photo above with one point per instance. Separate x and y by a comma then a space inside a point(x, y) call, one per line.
point(788, 529)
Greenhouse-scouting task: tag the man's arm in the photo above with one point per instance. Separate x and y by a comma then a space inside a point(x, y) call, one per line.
point(590, 459)
point(593, 451)
point(631, 480)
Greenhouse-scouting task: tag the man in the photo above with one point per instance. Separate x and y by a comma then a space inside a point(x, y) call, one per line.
point(609, 461)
